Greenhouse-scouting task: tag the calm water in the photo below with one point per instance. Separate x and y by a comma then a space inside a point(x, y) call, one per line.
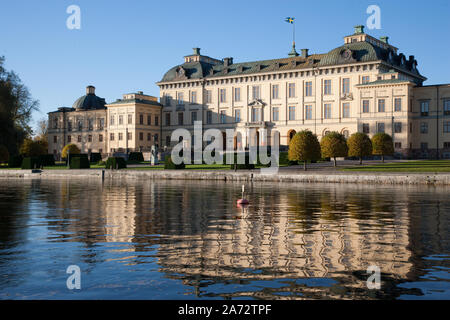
point(189, 240)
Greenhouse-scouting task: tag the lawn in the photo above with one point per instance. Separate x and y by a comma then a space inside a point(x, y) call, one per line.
point(409, 166)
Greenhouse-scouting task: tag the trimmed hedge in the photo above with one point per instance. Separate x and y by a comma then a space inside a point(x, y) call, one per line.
point(46, 160)
point(116, 163)
point(136, 157)
point(15, 161)
point(95, 157)
point(81, 155)
point(284, 160)
point(168, 164)
point(79, 163)
point(30, 163)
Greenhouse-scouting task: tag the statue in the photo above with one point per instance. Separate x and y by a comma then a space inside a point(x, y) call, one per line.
point(154, 155)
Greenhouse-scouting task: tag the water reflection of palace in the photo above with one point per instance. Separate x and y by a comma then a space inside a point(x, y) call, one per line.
point(326, 231)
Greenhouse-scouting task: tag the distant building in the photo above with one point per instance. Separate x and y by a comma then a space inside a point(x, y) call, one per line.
point(365, 85)
point(128, 124)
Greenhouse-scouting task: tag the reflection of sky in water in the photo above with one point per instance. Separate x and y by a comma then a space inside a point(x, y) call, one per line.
point(187, 240)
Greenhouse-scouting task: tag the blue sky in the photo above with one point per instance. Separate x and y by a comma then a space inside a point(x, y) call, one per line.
point(126, 46)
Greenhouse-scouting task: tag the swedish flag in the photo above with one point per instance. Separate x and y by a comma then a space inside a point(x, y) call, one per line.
point(289, 20)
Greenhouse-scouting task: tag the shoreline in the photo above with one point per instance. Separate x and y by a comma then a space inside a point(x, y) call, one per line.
point(401, 178)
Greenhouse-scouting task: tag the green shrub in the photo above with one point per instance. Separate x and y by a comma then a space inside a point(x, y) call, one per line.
point(168, 164)
point(46, 160)
point(75, 155)
point(15, 161)
point(246, 166)
point(95, 157)
point(79, 163)
point(136, 157)
point(30, 163)
point(284, 160)
point(116, 163)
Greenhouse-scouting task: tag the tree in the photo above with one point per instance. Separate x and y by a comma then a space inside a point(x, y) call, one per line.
point(16, 107)
point(382, 144)
point(4, 154)
point(304, 146)
point(72, 148)
point(33, 148)
point(359, 145)
point(334, 145)
point(42, 130)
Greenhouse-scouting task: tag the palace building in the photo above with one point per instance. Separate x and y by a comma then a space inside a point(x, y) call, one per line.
point(128, 124)
point(365, 85)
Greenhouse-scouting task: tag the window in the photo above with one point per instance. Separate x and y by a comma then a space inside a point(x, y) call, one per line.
point(308, 112)
point(291, 90)
point(327, 111)
point(424, 108)
point(380, 127)
point(308, 88)
point(291, 113)
point(55, 123)
point(120, 136)
point(398, 127)
point(447, 107)
point(345, 85)
point(149, 120)
point(366, 106)
point(237, 94)
point(100, 138)
point(208, 117)
point(180, 99)
point(381, 105)
point(167, 119)
point(55, 139)
point(208, 97)
point(424, 146)
point(255, 92)
point(156, 120)
point(223, 115)
point(141, 136)
point(141, 119)
point(275, 90)
point(156, 138)
point(366, 128)
point(79, 139)
point(111, 136)
point(130, 119)
point(275, 114)
point(120, 120)
point(346, 134)
point(69, 139)
point(193, 97)
point(69, 125)
point(101, 123)
point(80, 125)
point(365, 79)
point(446, 126)
point(398, 145)
point(237, 115)
point(223, 95)
point(149, 137)
point(398, 104)
point(256, 114)
point(130, 136)
point(193, 116)
point(180, 118)
point(167, 140)
point(327, 87)
point(446, 145)
point(111, 120)
point(424, 127)
point(346, 110)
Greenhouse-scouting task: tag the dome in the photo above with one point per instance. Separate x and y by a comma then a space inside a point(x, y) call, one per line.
point(89, 101)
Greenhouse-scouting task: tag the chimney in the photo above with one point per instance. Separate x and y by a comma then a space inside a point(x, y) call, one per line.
point(384, 39)
point(359, 29)
point(196, 51)
point(90, 90)
point(305, 53)
point(140, 92)
point(227, 61)
point(411, 58)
